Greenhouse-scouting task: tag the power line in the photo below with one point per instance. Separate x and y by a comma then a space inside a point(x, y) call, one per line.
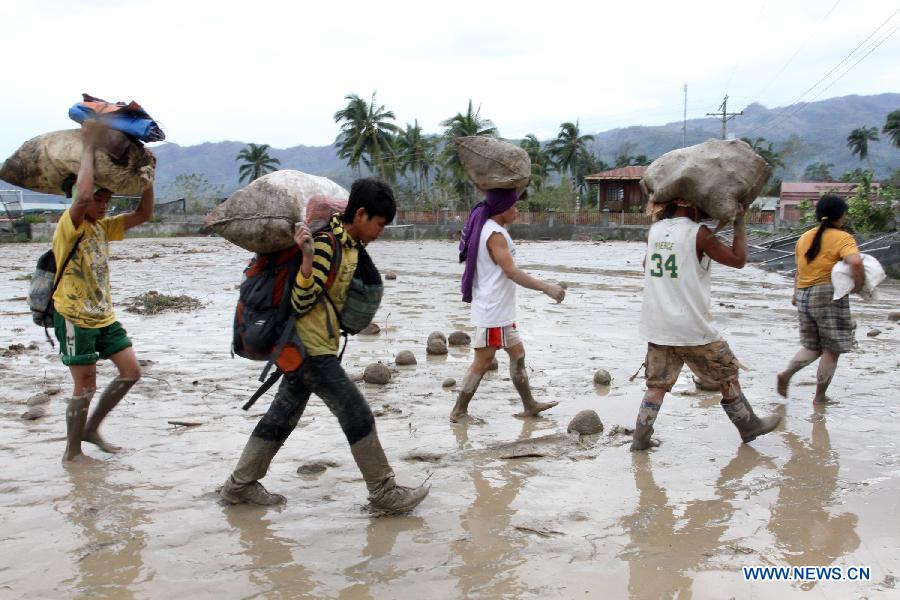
point(794, 108)
point(726, 116)
point(798, 50)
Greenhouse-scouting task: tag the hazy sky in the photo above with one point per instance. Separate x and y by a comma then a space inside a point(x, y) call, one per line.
point(275, 72)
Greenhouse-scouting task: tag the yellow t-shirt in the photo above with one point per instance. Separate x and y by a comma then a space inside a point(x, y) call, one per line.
point(836, 244)
point(83, 296)
point(306, 297)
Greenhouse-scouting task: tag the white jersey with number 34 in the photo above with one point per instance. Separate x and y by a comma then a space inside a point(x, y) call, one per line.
point(676, 309)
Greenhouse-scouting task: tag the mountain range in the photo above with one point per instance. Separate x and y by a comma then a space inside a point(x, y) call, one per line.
point(822, 128)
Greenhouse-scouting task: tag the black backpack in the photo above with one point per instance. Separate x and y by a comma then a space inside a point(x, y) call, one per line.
point(43, 285)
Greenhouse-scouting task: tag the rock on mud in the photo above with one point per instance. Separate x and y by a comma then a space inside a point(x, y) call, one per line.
point(459, 338)
point(371, 329)
point(34, 412)
point(873, 332)
point(38, 399)
point(315, 467)
point(390, 275)
point(405, 357)
point(894, 316)
point(437, 343)
point(586, 422)
point(602, 377)
point(449, 382)
point(377, 373)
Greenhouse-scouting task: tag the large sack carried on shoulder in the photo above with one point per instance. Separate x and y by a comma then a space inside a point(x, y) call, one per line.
point(261, 217)
point(717, 176)
point(43, 163)
point(320, 208)
point(492, 163)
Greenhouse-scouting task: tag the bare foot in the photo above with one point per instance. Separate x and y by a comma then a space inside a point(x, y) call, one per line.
point(93, 437)
point(824, 401)
point(457, 416)
point(78, 459)
point(782, 385)
point(536, 409)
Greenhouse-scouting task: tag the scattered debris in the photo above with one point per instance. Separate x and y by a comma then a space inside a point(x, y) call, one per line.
point(390, 275)
point(894, 316)
point(315, 467)
point(459, 338)
point(541, 531)
point(405, 357)
point(873, 332)
point(38, 399)
point(422, 456)
point(371, 329)
point(34, 412)
point(377, 373)
point(14, 350)
point(602, 377)
point(185, 423)
point(153, 303)
point(586, 422)
point(449, 382)
point(387, 409)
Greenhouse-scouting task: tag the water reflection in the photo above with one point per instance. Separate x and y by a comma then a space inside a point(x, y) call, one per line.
point(805, 529)
point(666, 549)
point(111, 520)
point(269, 557)
point(489, 555)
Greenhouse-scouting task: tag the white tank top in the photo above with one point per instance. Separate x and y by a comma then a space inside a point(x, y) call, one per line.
point(676, 311)
point(493, 293)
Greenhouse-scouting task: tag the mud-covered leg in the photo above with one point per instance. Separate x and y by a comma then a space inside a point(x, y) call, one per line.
point(76, 417)
point(471, 382)
point(643, 426)
point(800, 360)
point(519, 375)
point(824, 375)
point(108, 400)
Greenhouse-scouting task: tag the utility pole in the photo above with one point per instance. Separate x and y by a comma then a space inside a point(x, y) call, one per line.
point(724, 114)
point(684, 120)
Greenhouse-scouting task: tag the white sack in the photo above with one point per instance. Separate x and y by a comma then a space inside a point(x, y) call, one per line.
point(842, 280)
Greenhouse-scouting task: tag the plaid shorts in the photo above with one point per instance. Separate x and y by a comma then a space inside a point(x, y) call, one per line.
point(711, 362)
point(824, 323)
point(496, 337)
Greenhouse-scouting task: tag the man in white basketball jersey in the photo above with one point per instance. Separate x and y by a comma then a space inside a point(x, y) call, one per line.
point(489, 283)
point(677, 323)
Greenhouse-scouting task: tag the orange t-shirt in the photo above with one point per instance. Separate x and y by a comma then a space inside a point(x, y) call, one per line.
point(836, 245)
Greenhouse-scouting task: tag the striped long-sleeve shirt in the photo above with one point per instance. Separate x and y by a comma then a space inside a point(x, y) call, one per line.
point(314, 311)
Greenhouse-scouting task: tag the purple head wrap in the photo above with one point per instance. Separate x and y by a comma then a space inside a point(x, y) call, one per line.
point(495, 202)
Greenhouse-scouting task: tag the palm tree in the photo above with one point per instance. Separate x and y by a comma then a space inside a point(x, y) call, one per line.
point(415, 154)
point(463, 125)
point(541, 163)
point(257, 162)
point(818, 171)
point(766, 152)
point(366, 136)
point(858, 141)
point(568, 149)
point(892, 127)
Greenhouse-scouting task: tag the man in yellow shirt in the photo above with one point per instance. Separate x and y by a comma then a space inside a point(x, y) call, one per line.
point(318, 305)
point(84, 320)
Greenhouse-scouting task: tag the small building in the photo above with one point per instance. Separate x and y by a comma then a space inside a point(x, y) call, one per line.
point(619, 189)
point(793, 193)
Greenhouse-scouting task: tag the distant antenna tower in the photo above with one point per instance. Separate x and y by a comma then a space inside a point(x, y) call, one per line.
point(684, 120)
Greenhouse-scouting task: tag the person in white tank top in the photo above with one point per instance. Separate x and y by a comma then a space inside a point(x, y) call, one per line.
point(677, 323)
point(493, 297)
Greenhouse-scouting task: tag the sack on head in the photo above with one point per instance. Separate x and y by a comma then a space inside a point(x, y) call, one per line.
point(492, 163)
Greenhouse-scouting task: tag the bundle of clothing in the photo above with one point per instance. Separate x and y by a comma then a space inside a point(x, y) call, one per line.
point(129, 118)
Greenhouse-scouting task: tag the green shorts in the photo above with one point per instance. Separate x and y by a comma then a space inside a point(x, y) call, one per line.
point(82, 346)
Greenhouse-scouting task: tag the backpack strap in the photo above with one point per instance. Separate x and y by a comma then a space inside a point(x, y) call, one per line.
point(268, 383)
point(56, 283)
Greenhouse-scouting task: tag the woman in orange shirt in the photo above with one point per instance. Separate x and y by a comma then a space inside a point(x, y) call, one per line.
point(826, 329)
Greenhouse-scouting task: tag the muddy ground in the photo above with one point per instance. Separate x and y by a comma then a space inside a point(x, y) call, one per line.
point(572, 518)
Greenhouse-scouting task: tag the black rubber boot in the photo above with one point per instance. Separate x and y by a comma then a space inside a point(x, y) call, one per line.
point(748, 424)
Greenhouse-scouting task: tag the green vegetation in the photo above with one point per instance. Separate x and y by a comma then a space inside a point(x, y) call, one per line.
point(871, 215)
point(858, 141)
point(198, 193)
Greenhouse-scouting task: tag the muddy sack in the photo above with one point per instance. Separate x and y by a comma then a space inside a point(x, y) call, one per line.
point(45, 163)
point(261, 217)
point(492, 163)
point(718, 176)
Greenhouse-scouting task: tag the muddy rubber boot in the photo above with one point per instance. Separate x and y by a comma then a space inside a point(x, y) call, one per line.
point(108, 400)
point(748, 424)
point(384, 494)
point(76, 417)
point(519, 376)
point(243, 486)
point(643, 427)
point(470, 385)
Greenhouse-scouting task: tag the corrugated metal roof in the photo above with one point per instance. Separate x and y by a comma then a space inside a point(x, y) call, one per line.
point(815, 187)
point(632, 172)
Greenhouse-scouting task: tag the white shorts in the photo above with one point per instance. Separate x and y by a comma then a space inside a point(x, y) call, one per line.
point(496, 337)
